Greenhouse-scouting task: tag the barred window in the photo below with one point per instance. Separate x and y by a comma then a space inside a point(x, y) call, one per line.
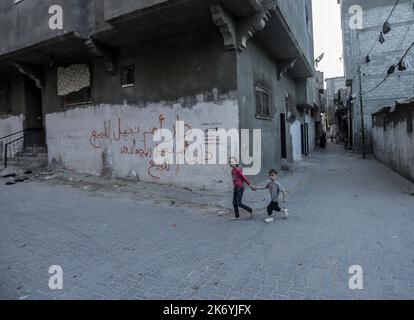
point(127, 76)
point(262, 103)
point(5, 97)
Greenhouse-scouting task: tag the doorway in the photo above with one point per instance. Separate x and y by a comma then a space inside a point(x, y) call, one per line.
point(283, 142)
point(305, 139)
point(33, 114)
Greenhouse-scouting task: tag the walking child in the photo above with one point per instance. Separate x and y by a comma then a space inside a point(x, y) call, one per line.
point(275, 189)
point(238, 182)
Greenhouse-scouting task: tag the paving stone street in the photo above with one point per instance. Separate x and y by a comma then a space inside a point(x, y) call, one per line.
point(344, 211)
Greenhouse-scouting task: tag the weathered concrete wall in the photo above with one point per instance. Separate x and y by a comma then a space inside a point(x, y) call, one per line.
point(190, 76)
point(357, 44)
point(114, 9)
point(27, 23)
point(78, 137)
point(395, 147)
point(10, 124)
point(254, 67)
point(295, 13)
point(166, 69)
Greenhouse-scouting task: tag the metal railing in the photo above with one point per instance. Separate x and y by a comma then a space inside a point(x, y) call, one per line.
point(25, 134)
point(6, 139)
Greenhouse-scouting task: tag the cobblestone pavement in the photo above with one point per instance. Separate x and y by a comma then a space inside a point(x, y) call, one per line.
point(344, 211)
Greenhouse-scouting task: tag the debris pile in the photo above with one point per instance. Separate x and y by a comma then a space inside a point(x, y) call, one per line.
point(15, 175)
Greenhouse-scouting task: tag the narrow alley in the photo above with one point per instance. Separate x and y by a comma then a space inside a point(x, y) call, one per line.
point(344, 211)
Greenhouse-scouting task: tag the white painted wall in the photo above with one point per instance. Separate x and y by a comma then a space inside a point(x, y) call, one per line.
point(77, 138)
point(312, 133)
point(395, 148)
point(9, 125)
point(295, 133)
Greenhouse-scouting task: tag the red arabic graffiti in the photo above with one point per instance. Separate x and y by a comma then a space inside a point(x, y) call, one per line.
point(135, 142)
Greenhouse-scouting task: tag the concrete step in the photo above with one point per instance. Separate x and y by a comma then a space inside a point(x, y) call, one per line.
point(26, 162)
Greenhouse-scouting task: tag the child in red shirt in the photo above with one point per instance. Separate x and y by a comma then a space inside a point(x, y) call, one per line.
point(238, 182)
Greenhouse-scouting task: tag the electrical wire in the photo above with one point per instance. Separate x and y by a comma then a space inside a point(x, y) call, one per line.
point(388, 19)
point(392, 11)
point(385, 79)
point(407, 28)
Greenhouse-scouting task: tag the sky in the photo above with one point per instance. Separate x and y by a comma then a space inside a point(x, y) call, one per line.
point(328, 36)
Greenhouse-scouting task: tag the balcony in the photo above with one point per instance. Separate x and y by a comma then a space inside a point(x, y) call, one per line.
point(115, 10)
point(287, 36)
point(25, 27)
point(307, 93)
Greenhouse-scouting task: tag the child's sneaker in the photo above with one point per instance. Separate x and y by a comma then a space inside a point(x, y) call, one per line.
point(285, 213)
point(269, 220)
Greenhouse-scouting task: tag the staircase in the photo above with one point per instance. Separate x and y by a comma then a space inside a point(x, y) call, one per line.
point(15, 153)
point(36, 157)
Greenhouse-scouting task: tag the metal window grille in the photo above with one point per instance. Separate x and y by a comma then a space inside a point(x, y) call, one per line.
point(262, 102)
point(127, 76)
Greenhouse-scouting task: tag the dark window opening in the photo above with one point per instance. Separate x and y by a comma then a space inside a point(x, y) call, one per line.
point(83, 96)
point(304, 128)
point(307, 16)
point(5, 97)
point(283, 135)
point(262, 103)
point(127, 76)
point(410, 121)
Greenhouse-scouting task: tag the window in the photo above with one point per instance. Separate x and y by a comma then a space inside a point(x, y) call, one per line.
point(262, 103)
point(410, 121)
point(75, 84)
point(83, 96)
point(290, 109)
point(127, 76)
point(4, 97)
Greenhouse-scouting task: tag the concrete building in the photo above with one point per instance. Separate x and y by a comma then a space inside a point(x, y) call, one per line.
point(116, 70)
point(333, 89)
point(393, 137)
point(362, 24)
point(321, 98)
